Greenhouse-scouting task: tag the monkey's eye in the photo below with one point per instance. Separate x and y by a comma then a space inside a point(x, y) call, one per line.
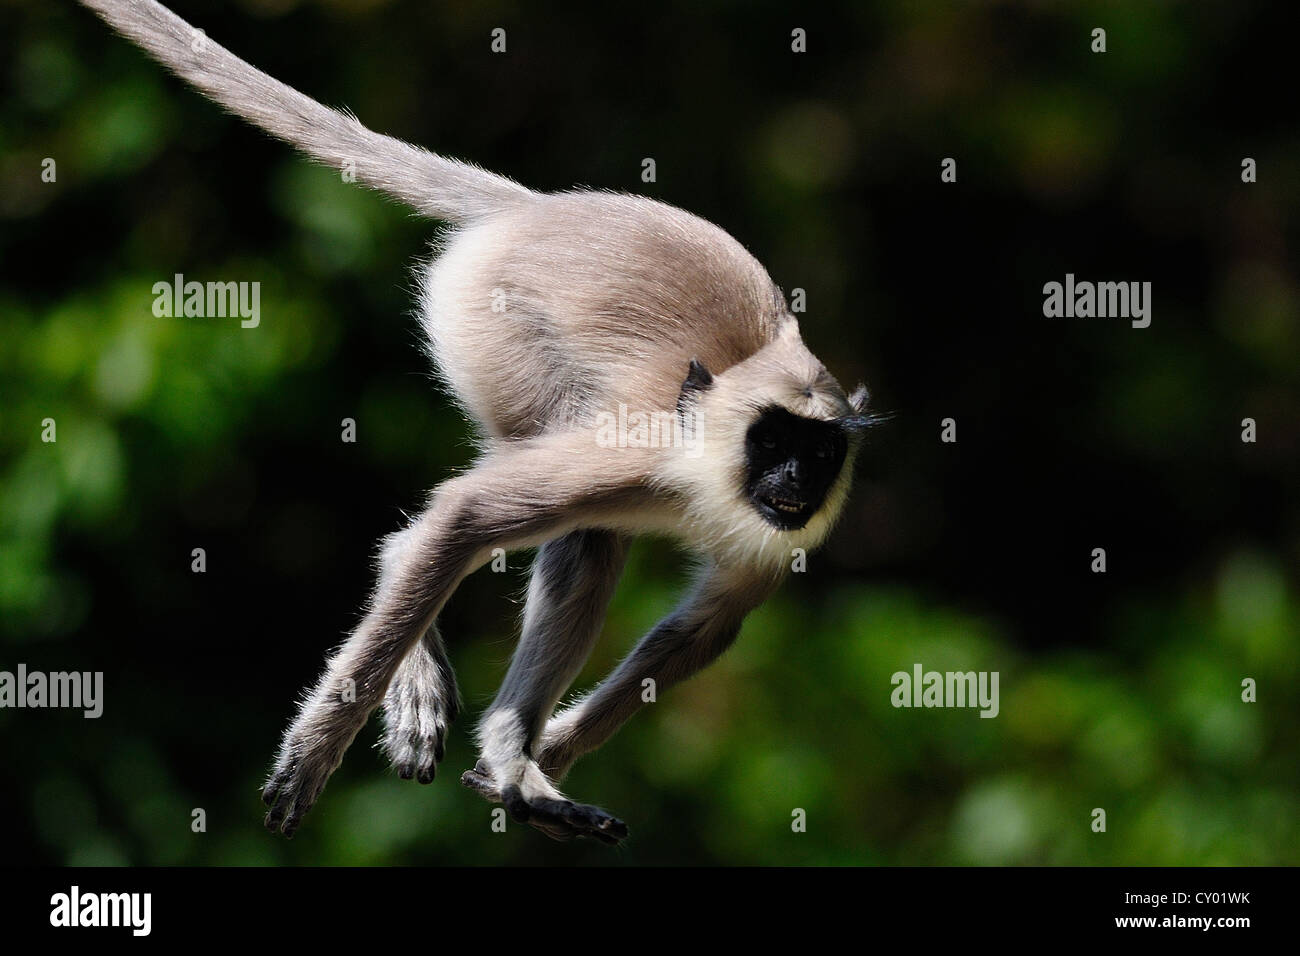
point(768, 442)
point(824, 450)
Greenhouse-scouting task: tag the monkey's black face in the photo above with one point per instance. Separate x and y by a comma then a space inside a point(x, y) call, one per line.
point(792, 463)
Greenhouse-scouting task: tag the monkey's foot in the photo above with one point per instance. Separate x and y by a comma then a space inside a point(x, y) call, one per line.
point(544, 807)
point(299, 776)
point(415, 730)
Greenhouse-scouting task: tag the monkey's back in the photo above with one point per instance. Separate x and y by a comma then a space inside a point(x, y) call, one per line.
point(554, 310)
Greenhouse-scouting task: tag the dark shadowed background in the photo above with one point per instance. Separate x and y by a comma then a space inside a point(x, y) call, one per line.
point(1119, 691)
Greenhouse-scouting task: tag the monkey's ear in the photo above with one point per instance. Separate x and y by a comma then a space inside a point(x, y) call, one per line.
point(698, 379)
point(861, 420)
point(858, 400)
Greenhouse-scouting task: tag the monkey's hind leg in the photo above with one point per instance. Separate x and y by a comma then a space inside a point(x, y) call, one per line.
point(572, 582)
point(419, 708)
point(497, 504)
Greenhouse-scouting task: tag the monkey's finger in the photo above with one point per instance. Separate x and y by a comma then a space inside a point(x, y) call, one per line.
point(605, 838)
point(274, 788)
point(588, 819)
point(293, 820)
point(611, 825)
point(605, 828)
point(482, 784)
point(576, 819)
point(561, 834)
point(292, 806)
point(430, 753)
point(283, 817)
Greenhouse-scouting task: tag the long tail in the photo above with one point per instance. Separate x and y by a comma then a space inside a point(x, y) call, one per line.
point(432, 185)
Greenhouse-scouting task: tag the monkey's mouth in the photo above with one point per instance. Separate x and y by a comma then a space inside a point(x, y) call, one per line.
point(788, 505)
point(785, 512)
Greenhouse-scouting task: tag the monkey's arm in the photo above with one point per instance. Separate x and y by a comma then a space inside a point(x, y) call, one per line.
point(521, 495)
point(681, 644)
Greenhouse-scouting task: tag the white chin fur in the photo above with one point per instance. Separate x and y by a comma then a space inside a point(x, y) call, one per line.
point(722, 523)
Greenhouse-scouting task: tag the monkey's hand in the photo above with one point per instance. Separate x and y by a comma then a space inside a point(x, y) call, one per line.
point(312, 749)
point(530, 798)
point(419, 707)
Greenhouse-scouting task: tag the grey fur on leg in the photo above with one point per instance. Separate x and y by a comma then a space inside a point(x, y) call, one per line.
point(494, 505)
point(419, 569)
point(572, 582)
point(689, 639)
point(419, 708)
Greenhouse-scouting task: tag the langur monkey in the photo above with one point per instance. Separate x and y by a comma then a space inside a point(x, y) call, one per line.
point(630, 369)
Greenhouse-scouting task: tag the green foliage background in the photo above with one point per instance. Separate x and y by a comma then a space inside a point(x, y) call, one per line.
point(1120, 692)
